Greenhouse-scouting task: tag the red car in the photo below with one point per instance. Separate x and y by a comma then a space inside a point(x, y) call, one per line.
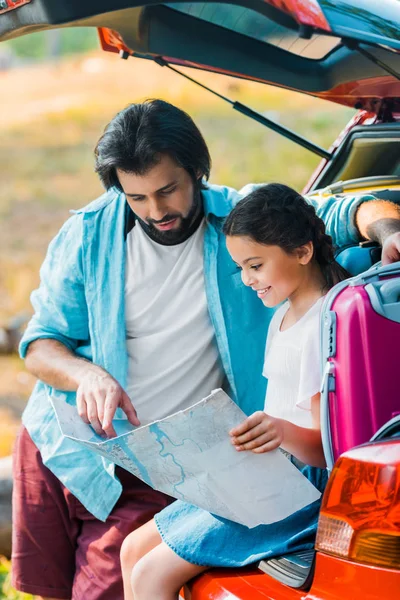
point(345, 51)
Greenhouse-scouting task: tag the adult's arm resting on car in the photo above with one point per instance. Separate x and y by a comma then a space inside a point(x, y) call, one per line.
point(59, 325)
point(351, 219)
point(380, 221)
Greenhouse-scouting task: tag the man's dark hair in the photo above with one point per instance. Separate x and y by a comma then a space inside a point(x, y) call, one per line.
point(137, 136)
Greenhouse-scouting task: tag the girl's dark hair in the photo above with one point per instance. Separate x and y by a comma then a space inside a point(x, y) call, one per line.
point(277, 215)
point(138, 135)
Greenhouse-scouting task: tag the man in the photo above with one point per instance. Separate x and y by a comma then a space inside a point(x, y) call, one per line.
point(140, 311)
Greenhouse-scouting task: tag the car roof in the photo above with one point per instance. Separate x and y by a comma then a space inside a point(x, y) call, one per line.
point(345, 51)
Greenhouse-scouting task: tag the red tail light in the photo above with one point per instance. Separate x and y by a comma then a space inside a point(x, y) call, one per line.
point(360, 512)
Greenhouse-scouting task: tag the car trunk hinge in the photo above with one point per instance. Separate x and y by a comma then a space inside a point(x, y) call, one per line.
point(256, 116)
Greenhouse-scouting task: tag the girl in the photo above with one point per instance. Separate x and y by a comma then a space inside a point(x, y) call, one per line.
point(281, 248)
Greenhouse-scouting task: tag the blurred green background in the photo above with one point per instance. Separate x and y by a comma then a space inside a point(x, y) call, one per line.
point(58, 91)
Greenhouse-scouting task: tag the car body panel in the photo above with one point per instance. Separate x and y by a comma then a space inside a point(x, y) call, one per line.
point(338, 579)
point(335, 579)
point(306, 12)
point(243, 584)
point(7, 5)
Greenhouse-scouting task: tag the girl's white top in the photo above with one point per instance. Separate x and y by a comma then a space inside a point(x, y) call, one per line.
point(293, 366)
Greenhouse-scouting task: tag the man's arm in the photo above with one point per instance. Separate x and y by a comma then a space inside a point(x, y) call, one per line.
point(348, 219)
point(60, 324)
point(53, 363)
point(59, 303)
point(379, 221)
point(98, 394)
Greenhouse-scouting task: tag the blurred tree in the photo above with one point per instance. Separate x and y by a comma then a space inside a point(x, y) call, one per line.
point(51, 44)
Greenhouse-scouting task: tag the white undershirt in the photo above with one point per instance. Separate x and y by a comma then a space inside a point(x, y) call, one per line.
point(292, 366)
point(173, 360)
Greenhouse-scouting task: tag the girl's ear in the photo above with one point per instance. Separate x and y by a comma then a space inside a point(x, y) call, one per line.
point(305, 253)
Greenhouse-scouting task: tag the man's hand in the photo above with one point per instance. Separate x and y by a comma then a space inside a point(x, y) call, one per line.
point(258, 433)
point(98, 397)
point(391, 249)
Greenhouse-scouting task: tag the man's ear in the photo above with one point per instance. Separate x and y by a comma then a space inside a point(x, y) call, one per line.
point(305, 253)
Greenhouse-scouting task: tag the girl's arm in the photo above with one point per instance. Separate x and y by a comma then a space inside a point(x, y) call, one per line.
point(305, 443)
point(262, 433)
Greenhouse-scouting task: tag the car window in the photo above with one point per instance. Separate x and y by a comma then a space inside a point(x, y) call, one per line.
point(257, 26)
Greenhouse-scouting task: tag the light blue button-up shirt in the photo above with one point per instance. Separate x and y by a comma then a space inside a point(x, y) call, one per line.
point(80, 302)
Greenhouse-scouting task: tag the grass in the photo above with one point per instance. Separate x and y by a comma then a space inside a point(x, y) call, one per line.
point(6, 591)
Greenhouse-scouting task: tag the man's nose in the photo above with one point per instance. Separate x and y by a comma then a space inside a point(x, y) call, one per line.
point(157, 209)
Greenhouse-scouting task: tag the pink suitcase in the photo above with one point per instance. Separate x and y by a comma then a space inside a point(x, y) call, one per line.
point(361, 358)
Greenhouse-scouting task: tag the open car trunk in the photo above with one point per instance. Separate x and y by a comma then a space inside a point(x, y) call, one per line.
point(327, 48)
point(332, 50)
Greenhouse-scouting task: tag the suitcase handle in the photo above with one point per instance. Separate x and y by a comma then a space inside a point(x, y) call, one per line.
point(376, 272)
point(385, 297)
point(327, 386)
point(390, 291)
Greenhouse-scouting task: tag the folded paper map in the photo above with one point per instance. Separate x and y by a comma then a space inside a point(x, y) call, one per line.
point(189, 456)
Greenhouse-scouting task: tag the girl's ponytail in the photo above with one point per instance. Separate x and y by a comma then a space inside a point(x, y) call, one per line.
point(325, 256)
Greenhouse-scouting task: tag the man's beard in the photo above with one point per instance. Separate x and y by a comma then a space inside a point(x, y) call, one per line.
point(188, 225)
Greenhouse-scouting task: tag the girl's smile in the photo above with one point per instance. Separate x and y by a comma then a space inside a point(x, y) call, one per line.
point(263, 292)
